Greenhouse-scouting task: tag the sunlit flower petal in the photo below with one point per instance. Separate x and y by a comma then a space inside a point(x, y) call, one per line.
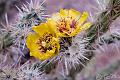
point(44, 43)
point(70, 22)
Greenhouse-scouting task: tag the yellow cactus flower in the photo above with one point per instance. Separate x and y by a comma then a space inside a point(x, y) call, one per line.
point(44, 43)
point(70, 22)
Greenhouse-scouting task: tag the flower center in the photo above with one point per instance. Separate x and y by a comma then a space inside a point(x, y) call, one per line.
point(67, 25)
point(45, 43)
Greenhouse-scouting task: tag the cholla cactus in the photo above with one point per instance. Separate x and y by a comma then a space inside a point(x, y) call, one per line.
point(29, 15)
point(99, 7)
point(6, 39)
point(66, 37)
point(102, 4)
point(30, 71)
point(73, 54)
point(7, 73)
point(64, 25)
